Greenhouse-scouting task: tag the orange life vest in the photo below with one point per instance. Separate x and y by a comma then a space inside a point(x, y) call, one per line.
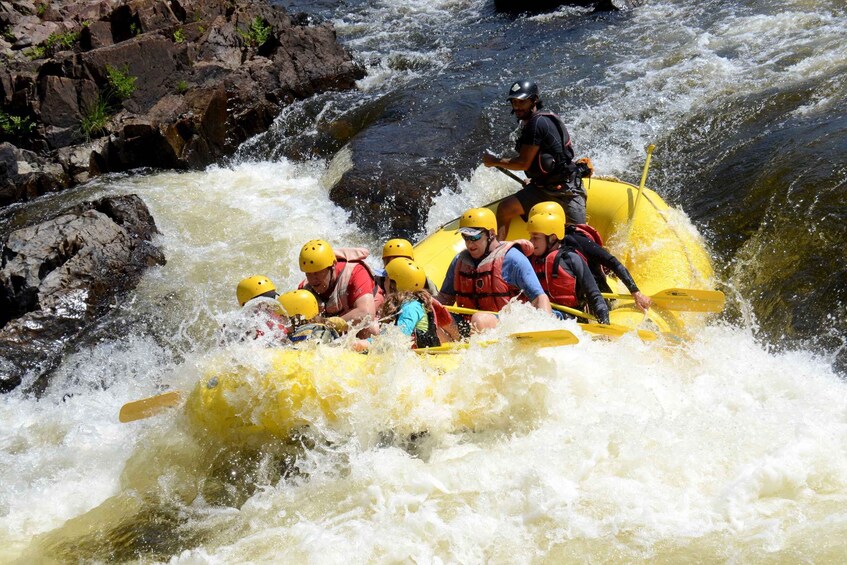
point(482, 286)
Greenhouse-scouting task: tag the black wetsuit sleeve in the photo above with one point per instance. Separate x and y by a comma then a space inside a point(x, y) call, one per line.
point(596, 254)
point(587, 288)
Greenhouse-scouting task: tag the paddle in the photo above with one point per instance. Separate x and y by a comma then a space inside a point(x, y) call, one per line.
point(510, 174)
point(600, 329)
point(541, 338)
point(683, 299)
point(650, 149)
point(614, 330)
point(146, 407)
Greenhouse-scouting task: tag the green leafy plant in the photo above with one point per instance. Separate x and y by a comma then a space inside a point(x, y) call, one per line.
point(134, 29)
point(121, 83)
point(181, 87)
point(258, 32)
point(65, 40)
point(41, 9)
point(94, 119)
point(16, 126)
point(179, 35)
point(35, 52)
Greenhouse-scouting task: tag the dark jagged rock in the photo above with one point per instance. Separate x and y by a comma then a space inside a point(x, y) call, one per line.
point(25, 175)
point(59, 276)
point(200, 77)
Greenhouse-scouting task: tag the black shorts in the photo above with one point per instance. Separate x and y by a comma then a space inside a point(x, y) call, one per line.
point(572, 200)
point(463, 323)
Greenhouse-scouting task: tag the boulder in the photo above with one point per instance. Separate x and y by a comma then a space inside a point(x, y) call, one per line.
point(203, 77)
point(24, 175)
point(59, 276)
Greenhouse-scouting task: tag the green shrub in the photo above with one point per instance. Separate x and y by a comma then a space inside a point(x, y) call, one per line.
point(181, 87)
point(35, 52)
point(65, 40)
point(179, 35)
point(16, 126)
point(94, 118)
point(258, 32)
point(121, 83)
point(134, 29)
point(41, 9)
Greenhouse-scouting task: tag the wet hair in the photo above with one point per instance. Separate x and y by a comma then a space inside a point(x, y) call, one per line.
point(394, 300)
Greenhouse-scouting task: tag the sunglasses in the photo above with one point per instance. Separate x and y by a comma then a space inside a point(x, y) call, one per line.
point(476, 237)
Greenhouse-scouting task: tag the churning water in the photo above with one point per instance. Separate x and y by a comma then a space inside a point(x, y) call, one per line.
point(732, 447)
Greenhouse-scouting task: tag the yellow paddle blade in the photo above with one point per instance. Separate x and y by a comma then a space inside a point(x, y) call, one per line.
point(690, 300)
point(617, 330)
point(682, 299)
point(147, 407)
point(543, 338)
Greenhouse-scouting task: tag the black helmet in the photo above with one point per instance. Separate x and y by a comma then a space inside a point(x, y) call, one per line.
point(522, 90)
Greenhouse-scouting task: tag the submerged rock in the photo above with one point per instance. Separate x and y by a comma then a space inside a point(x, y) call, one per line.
point(59, 276)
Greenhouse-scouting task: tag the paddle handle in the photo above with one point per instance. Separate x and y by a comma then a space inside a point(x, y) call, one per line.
point(650, 149)
point(510, 174)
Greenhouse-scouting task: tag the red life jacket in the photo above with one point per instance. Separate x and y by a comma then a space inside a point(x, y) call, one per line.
point(556, 281)
point(338, 304)
point(591, 232)
point(482, 286)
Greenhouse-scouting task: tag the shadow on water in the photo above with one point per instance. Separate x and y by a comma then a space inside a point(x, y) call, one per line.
point(769, 189)
point(177, 493)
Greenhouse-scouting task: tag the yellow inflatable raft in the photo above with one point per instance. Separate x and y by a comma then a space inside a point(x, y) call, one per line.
point(282, 390)
point(659, 247)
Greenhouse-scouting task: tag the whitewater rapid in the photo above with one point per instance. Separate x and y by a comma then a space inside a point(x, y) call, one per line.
point(616, 450)
point(729, 448)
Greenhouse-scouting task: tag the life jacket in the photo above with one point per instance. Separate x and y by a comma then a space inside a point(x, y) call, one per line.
point(590, 232)
point(600, 272)
point(556, 281)
point(558, 167)
point(482, 286)
point(338, 304)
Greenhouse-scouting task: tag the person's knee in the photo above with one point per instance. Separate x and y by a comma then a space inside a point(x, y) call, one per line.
point(509, 208)
point(483, 321)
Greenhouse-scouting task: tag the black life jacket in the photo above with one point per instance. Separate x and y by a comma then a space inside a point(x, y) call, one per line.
point(555, 167)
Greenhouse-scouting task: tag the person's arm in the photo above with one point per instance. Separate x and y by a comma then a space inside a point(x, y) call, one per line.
point(360, 295)
point(597, 254)
point(542, 302)
point(518, 271)
point(447, 294)
point(362, 307)
point(588, 287)
point(520, 163)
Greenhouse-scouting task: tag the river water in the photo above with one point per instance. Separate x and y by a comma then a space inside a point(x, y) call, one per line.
point(731, 448)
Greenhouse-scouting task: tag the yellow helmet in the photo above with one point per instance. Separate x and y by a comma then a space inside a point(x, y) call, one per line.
point(548, 224)
point(548, 206)
point(479, 218)
point(397, 248)
point(299, 303)
point(316, 255)
point(406, 275)
point(253, 287)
